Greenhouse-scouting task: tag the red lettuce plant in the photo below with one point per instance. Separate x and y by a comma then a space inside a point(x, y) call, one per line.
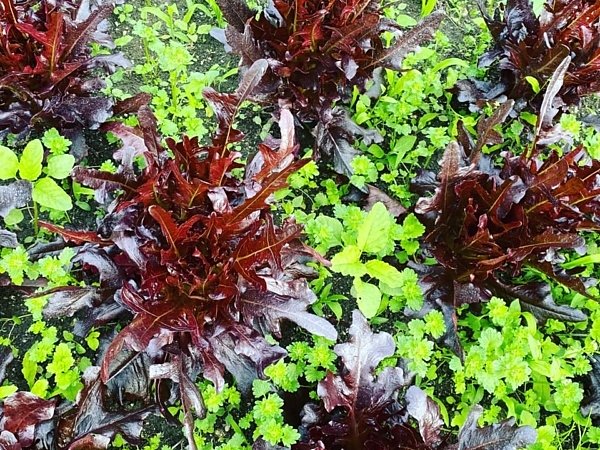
point(193, 252)
point(530, 49)
point(485, 225)
point(46, 65)
point(317, 51)
point(361, 410)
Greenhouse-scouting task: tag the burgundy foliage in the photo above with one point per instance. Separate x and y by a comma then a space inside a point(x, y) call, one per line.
point(193, 252)
point(363, 411)
point(528, 46)
point(317, 51)
point(485, 225)
point(46, 64)
point(20, 417)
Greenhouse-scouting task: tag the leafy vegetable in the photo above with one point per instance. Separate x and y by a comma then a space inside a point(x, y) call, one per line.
point(317, 51)
point(45, 65)
point(360, 410)
point(530, 49)
point(194, 253)
point(485, 225)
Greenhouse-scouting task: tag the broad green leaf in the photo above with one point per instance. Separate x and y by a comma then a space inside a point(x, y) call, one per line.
point(30, 166)
point(49, 194)
point(384, 272)
point(60, 166)
point(404, 20)
point(374, 232)
point(347, 262)
point(9, 163)
point(368, 297)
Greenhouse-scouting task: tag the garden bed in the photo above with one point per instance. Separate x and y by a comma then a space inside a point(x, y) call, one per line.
point(299, 225)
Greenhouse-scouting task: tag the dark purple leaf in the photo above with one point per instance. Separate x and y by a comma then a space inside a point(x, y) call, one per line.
point(68, 301)
point(501, 436)
point(90, 424)
point(14, 195)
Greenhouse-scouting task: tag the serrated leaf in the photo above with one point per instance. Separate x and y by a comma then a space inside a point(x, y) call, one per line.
point(30, 165)
point(385, 273)
point(373, 233)
point(49, 194)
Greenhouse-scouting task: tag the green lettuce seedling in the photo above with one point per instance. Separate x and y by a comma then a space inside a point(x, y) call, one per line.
point(30, 166)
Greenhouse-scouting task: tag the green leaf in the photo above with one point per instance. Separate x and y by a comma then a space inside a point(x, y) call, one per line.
point(5, 391)
point(448, 62)
point(384, 272)
point(14, 217)
point(427, 7)
point(49, 194)
point(56, 143)
point(40, 388)
point(10, 163)
point(60, 166)
point(368, 297)
point(412, 228)
point(347, 262)
point(373, 233)
point(30, 166)
point(534, 83)
point(583, 261)
point(404, 20)
point(29, 370)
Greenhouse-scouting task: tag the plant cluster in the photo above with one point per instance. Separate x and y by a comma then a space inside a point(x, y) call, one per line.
point(529, 48)
point(208, 248)
point(46, 67)
point(169, 70)
point(317, 52)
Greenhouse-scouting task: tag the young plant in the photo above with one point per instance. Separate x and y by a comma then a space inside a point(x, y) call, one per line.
point(376, 236)
point(45, 65)
point(365, 408)
point(168, 37)
point(317, 52)
point(38, 174)
point(529, 49)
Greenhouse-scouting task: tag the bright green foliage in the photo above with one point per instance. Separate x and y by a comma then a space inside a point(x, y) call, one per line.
point(168, 36)
point(306, 361)
point(526, 372)
point(364, 171)
point(53, 366)
point(375, 235)
point(15, 263)
point(414, 342)
point(55, 269)
point(413, 113)
point(29, 165)
point(55, 143)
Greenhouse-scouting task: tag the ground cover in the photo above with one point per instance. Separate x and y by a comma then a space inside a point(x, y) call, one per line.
point(299, 225)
